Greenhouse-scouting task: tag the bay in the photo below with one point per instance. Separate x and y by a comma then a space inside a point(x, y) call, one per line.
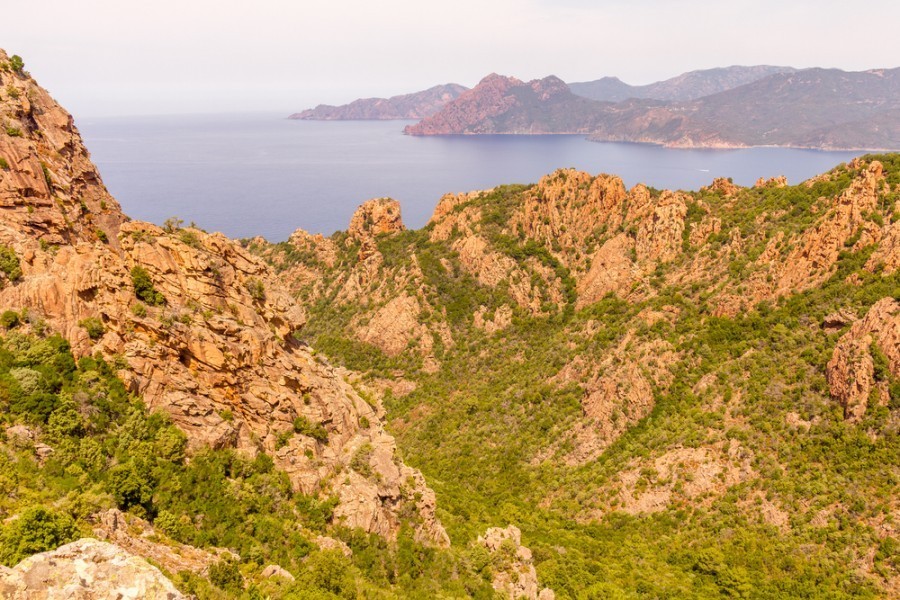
point(261, 174)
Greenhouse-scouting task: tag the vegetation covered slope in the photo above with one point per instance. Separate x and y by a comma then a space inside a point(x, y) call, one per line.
point(671, 394)
point(77, 449)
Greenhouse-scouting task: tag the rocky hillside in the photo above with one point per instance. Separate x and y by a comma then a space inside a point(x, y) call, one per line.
point(418, 105)
point(501, 104)
point(813, 108)
point(687, 86)
point(208, 339)
point(698, 381)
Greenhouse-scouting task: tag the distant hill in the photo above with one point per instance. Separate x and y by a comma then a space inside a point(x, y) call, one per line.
point(816, 108)
point(812, 108)
point(687, 86)
point(417, 105)
point(500, 104)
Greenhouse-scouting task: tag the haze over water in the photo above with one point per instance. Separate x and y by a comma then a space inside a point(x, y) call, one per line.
point(261, 174)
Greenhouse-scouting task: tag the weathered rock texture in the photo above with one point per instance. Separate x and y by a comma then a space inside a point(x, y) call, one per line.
point(220, 355)
point(851, 371)
point(136, 536)
point(514, 576)
point(86, 569)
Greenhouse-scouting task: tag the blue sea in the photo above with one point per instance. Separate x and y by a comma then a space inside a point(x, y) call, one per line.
point(262, 174)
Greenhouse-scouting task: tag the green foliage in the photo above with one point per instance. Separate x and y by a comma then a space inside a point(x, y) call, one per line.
point(4, 164)
point(93, 326)
point(12, 131)
point(173, 224)
point(16, 63)
point(303, 426)
point(37, 529)
point(143, 287)
point(9, 319)
point(256, 288)
point(226, 575)
point(9, 263)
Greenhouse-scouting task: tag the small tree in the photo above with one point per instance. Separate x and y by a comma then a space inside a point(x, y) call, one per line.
point(16, 63)
point(143, 287)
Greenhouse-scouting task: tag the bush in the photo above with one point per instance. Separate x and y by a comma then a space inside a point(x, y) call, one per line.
point(143, 287)
point(256, 288)
point(226, 576)
point(94, 327)
point(9, 263)
point(303, 426)
point(16, 63)
point(37, 529)
point(4, 164)
point(9, 319)
point(13, 131)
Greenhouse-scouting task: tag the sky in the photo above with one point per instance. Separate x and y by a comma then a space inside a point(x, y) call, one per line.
point(116, 57)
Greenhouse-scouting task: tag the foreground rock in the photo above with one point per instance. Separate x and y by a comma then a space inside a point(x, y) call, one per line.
point(86, 569)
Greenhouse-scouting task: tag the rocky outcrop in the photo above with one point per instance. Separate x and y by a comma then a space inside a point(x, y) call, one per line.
point(375, 217)
point(136, 536)
point(206, 331)
point(85, 569)
point(813, 257)
point(49, 188)
point(418, 105)
point(513, 574)
point(851, 372)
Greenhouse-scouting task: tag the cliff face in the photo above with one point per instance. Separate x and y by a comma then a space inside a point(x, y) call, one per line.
point(418, 105)
point(204, 330)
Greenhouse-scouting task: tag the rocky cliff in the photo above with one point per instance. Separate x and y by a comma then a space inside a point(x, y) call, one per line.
point(418, 105)
point(203, 330)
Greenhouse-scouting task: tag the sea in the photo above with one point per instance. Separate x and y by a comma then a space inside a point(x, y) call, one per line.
point(264, 175)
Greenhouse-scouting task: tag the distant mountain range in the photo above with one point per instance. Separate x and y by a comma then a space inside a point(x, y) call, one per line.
point(407, 106)
point(724, 108)
point(687, 86)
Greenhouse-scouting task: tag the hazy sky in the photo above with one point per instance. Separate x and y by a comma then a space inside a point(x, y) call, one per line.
point(106, 57)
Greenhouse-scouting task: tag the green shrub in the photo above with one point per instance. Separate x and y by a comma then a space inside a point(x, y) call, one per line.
point(37, 529)
point(9, 319)
point(9, 263)
point(101, 235)
point(143, 287)
point(16, 63)
point(13, 131)
point(303, 426)
point(256, 288)
point(4, 164)
point(93, 326)
point(225, 575)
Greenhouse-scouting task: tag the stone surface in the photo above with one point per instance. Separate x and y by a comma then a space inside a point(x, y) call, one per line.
point(851, 370)
point(86, 570)
point(514, 576)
